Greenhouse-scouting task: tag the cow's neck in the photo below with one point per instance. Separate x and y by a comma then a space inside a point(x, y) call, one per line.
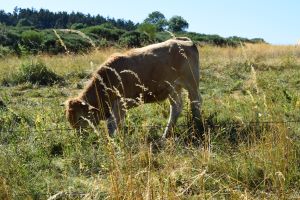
point(92, 95)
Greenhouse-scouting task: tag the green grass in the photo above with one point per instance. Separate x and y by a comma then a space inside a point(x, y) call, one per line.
point(41, 156)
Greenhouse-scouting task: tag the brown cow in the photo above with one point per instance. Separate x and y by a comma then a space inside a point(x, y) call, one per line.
point(149, 74)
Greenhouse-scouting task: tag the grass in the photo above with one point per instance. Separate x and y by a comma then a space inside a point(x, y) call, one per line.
point(40, 156)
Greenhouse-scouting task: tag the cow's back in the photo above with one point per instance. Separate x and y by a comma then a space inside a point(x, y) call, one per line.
point(152, 70)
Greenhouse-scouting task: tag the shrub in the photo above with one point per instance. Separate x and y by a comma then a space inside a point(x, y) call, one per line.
point(4, 51)
point(35, 73)
point(149, 29)
point(110, 34)
point(134, 39)
point(162, 36)
point(103, 43)
point(74, 43)
point(32, 40)
point(51, 44)
point(9, 37)
point(77, 26)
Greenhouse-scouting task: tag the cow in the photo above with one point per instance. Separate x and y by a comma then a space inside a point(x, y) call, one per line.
point(149, 74)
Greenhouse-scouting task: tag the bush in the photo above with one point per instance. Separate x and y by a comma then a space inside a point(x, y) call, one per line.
point(102, 43)
point(74, 43)
point(9, 37)
point(148, 29)
point(110, 34)
point(51, 44)
point(162, 36)
point(35, 73)
point(4, 51)
point(77, 26)
point(134, 39)
point(32, 40)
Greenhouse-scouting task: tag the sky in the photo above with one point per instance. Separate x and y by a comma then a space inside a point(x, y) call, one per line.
point(276, 21)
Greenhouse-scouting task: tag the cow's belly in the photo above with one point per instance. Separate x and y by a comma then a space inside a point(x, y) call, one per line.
point(151, 97)
point(152, 94)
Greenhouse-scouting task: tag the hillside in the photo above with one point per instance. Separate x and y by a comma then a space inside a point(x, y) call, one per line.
point(30, 31)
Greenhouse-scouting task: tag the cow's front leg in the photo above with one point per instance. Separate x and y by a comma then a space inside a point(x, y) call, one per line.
point(116, 118)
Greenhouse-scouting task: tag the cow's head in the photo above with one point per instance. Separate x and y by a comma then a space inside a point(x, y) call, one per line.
point(79, 114)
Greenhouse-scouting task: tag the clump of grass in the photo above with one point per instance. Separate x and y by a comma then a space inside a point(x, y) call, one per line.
point(36, 73)
point(2, 104)
point(4, 191)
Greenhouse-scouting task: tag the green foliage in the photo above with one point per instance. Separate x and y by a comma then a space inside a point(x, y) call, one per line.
point(35, 73)
point(257, 40)
point(9, 37)
point(32, 40)
point(162, 36)
point(45, 19)
point(103, 31)
point(149, 29)
point(27, 32)
point(102, 43)
point(157, 19)
point(134, 39)
point(75, 43)
point(24, 22)
point(218, 40)
point(77, 26)
point(51, 44)
point(2, 104)
point(177, 24)
point(5, 51)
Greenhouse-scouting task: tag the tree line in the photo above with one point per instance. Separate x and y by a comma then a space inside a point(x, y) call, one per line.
point(45, 19)
point(31, 31)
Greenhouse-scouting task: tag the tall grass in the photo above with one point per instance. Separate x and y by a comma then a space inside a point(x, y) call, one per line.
point(40, 157)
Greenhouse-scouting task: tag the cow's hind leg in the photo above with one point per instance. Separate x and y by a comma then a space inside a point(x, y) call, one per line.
point(195, 103)
point(175, 110)
point(116, 118)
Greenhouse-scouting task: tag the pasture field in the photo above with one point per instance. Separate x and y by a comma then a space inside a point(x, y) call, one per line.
point(248, 92)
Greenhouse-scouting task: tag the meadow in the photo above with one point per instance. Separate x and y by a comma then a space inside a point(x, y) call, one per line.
point(251, 110)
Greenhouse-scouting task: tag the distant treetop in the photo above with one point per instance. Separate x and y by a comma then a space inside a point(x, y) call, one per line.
point(158, 20)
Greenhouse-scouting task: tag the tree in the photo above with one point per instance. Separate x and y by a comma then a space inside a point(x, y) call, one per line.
point(157, 19)
point(177, 24)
